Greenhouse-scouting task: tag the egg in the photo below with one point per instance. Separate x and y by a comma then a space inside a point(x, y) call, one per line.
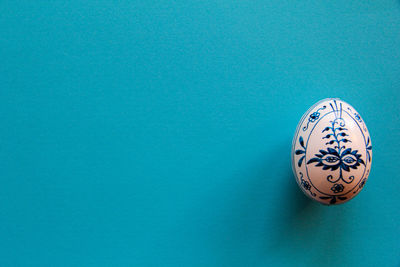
point(331, 152)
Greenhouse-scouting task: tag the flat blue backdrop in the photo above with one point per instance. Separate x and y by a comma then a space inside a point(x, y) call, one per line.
point(158, 133)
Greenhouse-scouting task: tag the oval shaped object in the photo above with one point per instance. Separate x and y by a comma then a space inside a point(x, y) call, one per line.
point(331, 152)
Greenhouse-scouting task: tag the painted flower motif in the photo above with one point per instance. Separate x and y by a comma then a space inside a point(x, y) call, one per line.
point(337, 188)
point(331, 159)
point(306, 185)
point(337, 156)
point(314, 116)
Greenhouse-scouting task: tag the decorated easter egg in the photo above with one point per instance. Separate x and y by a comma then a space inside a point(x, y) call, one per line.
point(331, 152)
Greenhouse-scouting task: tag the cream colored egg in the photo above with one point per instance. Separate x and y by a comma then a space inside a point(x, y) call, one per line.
point(331, 152)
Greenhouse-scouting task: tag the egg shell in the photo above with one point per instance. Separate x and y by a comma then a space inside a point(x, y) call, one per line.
point(331, 152)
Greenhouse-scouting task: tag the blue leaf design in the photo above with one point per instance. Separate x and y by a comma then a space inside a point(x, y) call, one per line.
point(347, 151)
point(337, 156)
point(301, 141)
point(301, 161)
point(313, 160)
point(323, 152)
point(333, 151)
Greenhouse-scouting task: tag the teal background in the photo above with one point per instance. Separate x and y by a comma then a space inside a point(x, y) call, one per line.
point(158, 133)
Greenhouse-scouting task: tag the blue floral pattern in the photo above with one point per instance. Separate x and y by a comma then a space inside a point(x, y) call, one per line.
point(358, 118)
point(338, 157)
point(301, 151)
point(337, 188)
point(313, 117)
point(305, 184)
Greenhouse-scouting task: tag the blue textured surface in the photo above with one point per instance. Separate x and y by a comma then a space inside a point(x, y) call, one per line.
point(158, 133)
